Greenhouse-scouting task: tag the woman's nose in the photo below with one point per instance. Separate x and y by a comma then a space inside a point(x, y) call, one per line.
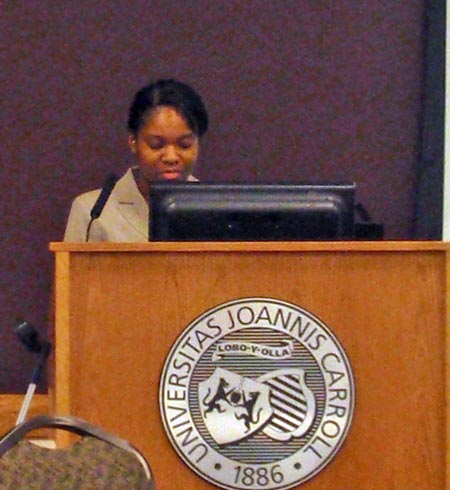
point(170, 155)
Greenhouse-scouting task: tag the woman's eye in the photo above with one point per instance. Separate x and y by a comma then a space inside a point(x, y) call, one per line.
point(155, 143)
point(186, 143)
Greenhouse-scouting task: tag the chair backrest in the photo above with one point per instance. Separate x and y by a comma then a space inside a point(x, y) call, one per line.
point(98, 461)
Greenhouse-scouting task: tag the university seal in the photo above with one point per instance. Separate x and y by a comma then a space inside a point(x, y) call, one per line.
point(257, 393)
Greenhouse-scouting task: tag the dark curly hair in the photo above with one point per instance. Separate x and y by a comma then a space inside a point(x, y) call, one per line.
point(172, 93)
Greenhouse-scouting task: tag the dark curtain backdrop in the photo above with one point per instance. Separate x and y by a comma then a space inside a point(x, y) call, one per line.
point(430, 169)
point(296, 90)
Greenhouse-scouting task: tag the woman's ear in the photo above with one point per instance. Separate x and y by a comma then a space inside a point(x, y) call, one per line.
point(132, 143)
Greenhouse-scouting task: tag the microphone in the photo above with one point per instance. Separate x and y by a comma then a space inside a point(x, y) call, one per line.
point(29, 337)
point(107, 188)
point(101, 201)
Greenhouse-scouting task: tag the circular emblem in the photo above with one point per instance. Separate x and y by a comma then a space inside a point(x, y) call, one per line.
point(257, 393)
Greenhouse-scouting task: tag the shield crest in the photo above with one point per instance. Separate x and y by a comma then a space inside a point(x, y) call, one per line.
point(233, 407)
point(293, 403)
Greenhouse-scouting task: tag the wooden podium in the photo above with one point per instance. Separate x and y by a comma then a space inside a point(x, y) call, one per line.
point(120, 307)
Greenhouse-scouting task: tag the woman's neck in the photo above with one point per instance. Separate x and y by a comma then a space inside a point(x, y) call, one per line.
point(141, 182)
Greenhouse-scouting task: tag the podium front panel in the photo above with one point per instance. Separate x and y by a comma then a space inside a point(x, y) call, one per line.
point(118, 314)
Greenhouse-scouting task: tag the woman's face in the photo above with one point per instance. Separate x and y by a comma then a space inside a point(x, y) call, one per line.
point(166, 148)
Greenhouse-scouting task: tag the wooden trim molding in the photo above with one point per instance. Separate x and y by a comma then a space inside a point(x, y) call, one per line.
point(250, 247)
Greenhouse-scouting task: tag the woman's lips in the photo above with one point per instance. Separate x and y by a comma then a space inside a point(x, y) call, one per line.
point(171, 175)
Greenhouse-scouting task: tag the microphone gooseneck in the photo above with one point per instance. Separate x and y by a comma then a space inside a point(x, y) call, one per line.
point(101, 201)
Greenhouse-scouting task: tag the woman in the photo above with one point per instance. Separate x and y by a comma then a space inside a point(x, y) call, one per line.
point(166, 121)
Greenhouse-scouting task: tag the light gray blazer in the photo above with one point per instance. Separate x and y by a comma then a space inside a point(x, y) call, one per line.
point(124, 217)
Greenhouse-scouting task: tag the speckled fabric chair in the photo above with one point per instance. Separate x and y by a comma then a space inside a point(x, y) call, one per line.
point(98, 461)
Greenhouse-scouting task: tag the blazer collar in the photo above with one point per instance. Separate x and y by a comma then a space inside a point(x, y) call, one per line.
point(131, 203)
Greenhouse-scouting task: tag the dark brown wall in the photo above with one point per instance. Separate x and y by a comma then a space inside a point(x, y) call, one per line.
point(311, 90)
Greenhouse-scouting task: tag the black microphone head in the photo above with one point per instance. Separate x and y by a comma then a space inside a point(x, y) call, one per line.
point(29, 337)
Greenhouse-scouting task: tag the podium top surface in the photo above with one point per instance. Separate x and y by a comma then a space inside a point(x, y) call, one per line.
point(298, 246)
